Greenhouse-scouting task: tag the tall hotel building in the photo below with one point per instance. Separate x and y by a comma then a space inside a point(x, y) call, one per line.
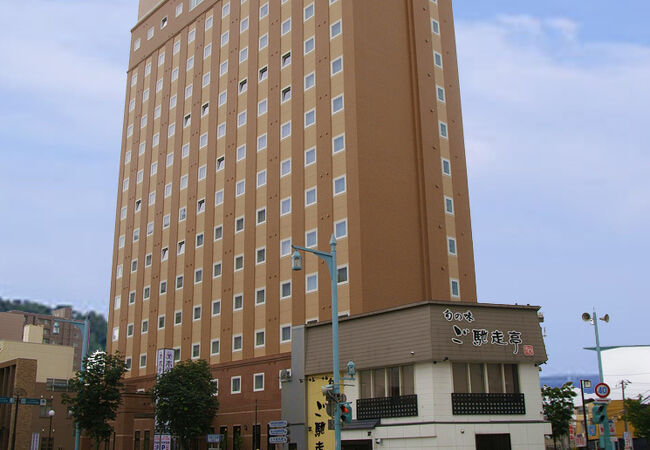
point(251, 125)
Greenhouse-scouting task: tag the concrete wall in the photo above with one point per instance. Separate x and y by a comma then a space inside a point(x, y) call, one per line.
point(54, 361)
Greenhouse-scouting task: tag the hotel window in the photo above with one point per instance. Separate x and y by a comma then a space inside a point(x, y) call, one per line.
point(310, 156)
point(214, 347)
point(145, 95)
point(129, 130)
point(285, 333)
point(437, 59)
point(131, 104)
point(156, 139)
point(164, 253)
point(161, 321)
point(118, 271)
point(177, 47)
point(123, 213)
point(216, 270)
point(208, 23)
point(156, 112)
point(335, 29)
point(190, 36)
point(261, 216)
point(159, 85)
point(262, 107)
point(337, 104)
point(238, 302)
point(243, 54)
point(218, 232)
point(342, 274)
point(264, 41)
point(143, 360)
point(310, 196)
point(239, 262)
point(446, 166)
point(286, 94)
point(285, 130)
point(118, 301)
point(190, 63)
point(285, 289)
point(259, 342)
point(202, 172)
point(206, 81)
point(285, 206)
point(178, 317)
point(311, 238)
point(235, 382)
point(451, 245)
point(225, 10)
point(207, 51)
point(188, 91)
point(261, 142)
point(341, 228)
point(172, 102)
point(144, 327)
point(260, 255)
point(223, 97)
point(263, 74)
point(216, 307)
point(339, 185)
point(200, 206)
point(443, 130)
point(286, 26)
point(198, 276)
point(197, 313)
point(309, 12)
point(174, 76)
point(261, 178)
point(310, 118)
point(243, 25)
point(141, 149)
point(166, 220)
point(311, 282)
point(240, 188)
point(120, 242)
point(196, 350)
point(149, 228)
point(221, 132)
point(449, 205)
point(286, 59)
point(163, 287)
point(338, 143)
point(179, 9)
point(225, 37)
point(260, 296)
point(218, 197)
point(129, 330)
point(177, 354)
point(480, 378)
point(386, 382)
point(455, 288)
point(241, 119)
point(310, 80)
point(136, 235)
point(264, 10)
point(309, 45)
point(125, 185)
point(239, 224)
point(127, 361)
point(199, 240)
point(134, 79)
point(171, 130)
point(152, 198)
point(285, 247)
point(183, 183)
point(435, 26)
point(136, 45)
point(131, 297)
point(337, 65)
point(168, 190)
point(146, 293)
point(441, 93)
point(138, 205)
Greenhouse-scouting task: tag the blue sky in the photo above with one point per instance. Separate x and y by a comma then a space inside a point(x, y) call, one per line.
point(555, 99)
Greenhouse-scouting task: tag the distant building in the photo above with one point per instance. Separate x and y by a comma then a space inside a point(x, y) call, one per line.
point(11, 326)
point(54, 331)
point(35, 370)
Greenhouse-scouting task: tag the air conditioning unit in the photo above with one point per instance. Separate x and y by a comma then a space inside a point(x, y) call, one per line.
point(285, 375)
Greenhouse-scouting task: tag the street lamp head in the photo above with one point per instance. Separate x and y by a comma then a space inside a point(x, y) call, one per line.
point(51, 413)
point(605, 318)
point(296, 261)
point(586, 317)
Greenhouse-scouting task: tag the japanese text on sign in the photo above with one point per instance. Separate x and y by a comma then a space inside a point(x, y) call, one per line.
point(480, 336)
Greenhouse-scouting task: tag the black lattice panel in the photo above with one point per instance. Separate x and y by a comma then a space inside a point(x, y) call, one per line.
point(482, 404)
point(376, 408)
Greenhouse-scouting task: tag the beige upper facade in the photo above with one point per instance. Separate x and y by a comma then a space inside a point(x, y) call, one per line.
point(53, 361)
point(250, 126)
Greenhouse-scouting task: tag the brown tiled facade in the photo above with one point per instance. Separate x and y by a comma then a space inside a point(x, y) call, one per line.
point(251, 125)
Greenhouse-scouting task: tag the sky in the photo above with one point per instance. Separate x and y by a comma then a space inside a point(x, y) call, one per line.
point(555, 99)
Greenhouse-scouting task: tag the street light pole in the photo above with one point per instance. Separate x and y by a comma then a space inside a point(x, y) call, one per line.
point(330, 259)
point(623, 384)
point(49, 434)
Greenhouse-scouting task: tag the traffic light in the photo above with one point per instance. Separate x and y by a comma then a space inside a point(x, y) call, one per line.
point(599, 412)
point(346, 412)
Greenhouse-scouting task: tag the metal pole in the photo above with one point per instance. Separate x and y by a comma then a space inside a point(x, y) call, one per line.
point(623, 384)
point(584, 412)
point(49, 435)
point(85, 329)
point(607, 444)
point(335, 341)
point(13, 438)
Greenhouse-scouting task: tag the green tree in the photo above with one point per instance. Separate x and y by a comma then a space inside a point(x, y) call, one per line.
point(558, 408)
point(638, 415)
point(185, 399)
point(97, 394)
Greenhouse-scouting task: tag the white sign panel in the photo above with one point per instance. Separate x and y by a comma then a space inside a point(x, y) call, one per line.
point(35, 441)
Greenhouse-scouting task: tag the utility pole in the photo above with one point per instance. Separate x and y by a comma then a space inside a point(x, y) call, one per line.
point(583, 385)
point(623, 384)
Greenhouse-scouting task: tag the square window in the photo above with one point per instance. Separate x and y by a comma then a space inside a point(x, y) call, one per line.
point(216, 307)
point(166, 220)
point(446, 166)
point(261, 178)
point(260, 255)
point(188, 91)
point(185, 152)
point(335, 29)
point(285, 289)
point(154, 169)
point(451, 245)
point(179, 9)
point(261, 142)
point(177, 47)
point(285, 247)
point(285, 333)
point(310, 196)
point(223, 97)
point(238, 302)
point(197, 313)
point(203, 140)
point(338, 143)
point(243, 54)
point(123, 212)
point(337, 65)
point(191, 36)
point(310, 80)
point(235, 382)
point(218, 232)
point(449, 205)
point(261, 216)
point(310, 118)
point(285, 206)
point(216, 270)
point(214, 347)
point(206, 81)
point(260, 296)
point(339, 185)
point(189, 64)
point(225, 10)
point(221, 132)
point(341, 229)
point(309, 11)
point(174, 78)
point(259, 338)
point(223, 68)
point(207, 51)
point(208, 22)
point(312, 282)
point(342, 274)
point(239, 262)
point(337, 104)
point(196, 351)
point(311, 238)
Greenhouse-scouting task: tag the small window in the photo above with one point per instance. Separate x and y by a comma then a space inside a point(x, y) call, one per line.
point(144, 327)
point(286, 26)
point(239, 262)
point(218, 232)
point(286, 94)
point(243, 54)
point(309, 45)
point(342, 274)
point(131, 297)
point(223, 97)
point(261, 142)
point(177, 354)
point(129, 330)
point(311, 238)
point(310, 118)
point(311, 282)
point(143, 361)
point(223, 68)
point(214, 347)
point(178, 317)
point(197, 313)
point(180, 248)
point(179, 9)
point(335, 29)
point(285, 247)
point(208, 23)
point(285, 289)
point(341, 229)
point(260, 296)
point(182, 214)
point(449, 205)
point(127, 361)
point(179, 282)
point(285, 130)
point(241, 119)
point(455, 288)
point(188, 91)
point(337, 104)
point(206, 81)
point(216, 270)
point(285, 206)
point(435, 26)
point(264, 10)
point(310, 156)
point(337, 65)
point(309, 12)
point(310, 80)
point(338, 143)
point(262, 107)
point(218, 197)
point(189, 64)
point(161, 321)
point(241, 152)
point(199, 239)
point(261, 178)
point(238, 302)
point(187, 120)
point(225, 10)
point(164, 253)
point(224, 38)
point(264, 41)
point(339, 185)
point(451, 245)
point(221, 132)
point(286, 59)
point(446, 166)
point(310, 196)
point(285, 333)
point(216, 307)
point(440, 93)
point(163, 287)
point(261, 216)
point(263, 73)
point(177, 47)
point(196, 350)
point(174, 78)
point(437, 59)
point(207, 51)
point(166, 220)
point(191, 36)
point(235, 382)
point(260, 255)
point(243, 25)
point(260, 338)
point(146, 293)
point(240, 188)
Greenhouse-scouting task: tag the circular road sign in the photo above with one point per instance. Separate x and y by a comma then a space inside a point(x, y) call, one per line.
point(602, 390)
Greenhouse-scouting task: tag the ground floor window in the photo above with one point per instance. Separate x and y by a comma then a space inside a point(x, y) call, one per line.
point(480, 378)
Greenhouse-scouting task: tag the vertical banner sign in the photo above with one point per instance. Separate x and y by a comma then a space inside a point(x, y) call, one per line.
point(164, 363)
point(36, 437)
point(319, 436)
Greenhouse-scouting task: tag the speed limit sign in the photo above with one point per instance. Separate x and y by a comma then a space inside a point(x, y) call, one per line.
point(602, 390)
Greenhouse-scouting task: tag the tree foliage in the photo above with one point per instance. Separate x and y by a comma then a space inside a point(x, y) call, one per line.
point(185, 399)
point(558, 408)
point(98, 394)
point(638, 415)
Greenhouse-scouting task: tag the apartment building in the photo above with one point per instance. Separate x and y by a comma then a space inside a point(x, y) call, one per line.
point(252, 125)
